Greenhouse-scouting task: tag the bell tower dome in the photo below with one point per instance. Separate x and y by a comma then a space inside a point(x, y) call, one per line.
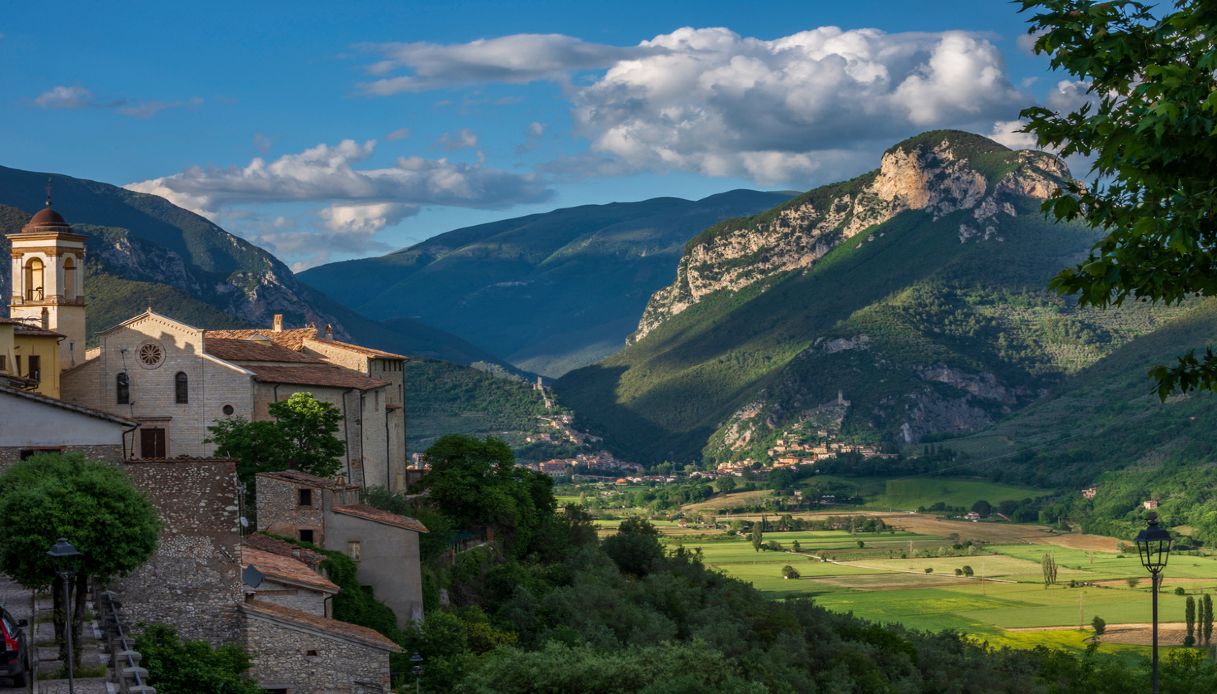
point(48, 279)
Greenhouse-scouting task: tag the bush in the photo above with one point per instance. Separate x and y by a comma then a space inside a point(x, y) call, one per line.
point(1099, 625)
point(789, 571)
point(192, 667)
point(929, 569)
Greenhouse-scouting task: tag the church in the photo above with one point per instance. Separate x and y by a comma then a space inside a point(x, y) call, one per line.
point(175, 380)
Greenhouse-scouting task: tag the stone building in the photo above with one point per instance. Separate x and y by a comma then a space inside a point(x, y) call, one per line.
point(327, 513)
point(32, 423)
point(288, 581)
point(301, 653)
point(176, 380)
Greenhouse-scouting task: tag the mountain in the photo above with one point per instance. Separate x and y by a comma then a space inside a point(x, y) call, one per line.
point(143, 249)
point(547, 292)
point(894, 308)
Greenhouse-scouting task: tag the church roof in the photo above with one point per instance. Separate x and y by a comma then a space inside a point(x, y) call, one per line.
point(360, 349)
point(251, 349)
point(47, 217)
point(292, 338)
point(319, 374)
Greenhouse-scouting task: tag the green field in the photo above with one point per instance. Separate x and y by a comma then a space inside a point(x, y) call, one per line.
point(1006, 592)
point(911, 493)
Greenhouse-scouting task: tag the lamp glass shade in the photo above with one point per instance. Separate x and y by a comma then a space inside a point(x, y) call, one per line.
point(1154, 545)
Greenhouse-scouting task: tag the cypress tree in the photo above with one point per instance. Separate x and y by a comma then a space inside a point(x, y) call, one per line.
point(1206, 622)
point(1189, 616)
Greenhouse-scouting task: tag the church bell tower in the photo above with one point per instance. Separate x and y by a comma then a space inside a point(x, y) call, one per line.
point(48, 280)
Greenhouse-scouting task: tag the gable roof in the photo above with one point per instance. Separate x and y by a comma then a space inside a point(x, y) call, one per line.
point(298, 477)
point(71, 406)
point(285, 569)
point(381, 516)
point(317, 623)
point(292, 338)
point(35, 331)
point(149, 313)
point(318, 374)
point(251, 349)
point(359, 349)
point(266, 543)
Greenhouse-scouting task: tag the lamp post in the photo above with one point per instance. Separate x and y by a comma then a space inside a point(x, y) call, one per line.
point(64, 556)
point(1154, 545)
point(417, 661)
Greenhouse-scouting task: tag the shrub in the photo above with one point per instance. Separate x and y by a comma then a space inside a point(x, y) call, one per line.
point(789, 571)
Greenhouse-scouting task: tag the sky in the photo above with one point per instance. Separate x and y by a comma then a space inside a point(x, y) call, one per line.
point(325, 131)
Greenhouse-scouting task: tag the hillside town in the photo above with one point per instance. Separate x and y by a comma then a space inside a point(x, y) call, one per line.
point(143, 400)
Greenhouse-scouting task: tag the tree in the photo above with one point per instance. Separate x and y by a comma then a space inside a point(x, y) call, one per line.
point(1048, 565)
point(1206, 618)
point(789, 571)
point(758, 534)
point(193, 667)
point(635, 548)
point(982, 507)
point(1189, 617)
point(1132, 581)
point(1099, 625)
point(1148, 123)
point(301, 437)
point(726, 484)
point(967, 570)
point(92, 504)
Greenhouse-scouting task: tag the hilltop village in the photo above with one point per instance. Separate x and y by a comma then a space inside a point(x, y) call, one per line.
point(143, 399)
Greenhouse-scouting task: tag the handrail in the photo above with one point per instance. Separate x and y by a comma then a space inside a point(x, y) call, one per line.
point(124, 659)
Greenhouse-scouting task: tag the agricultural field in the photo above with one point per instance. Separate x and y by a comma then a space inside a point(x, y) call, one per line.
point(1004, 602)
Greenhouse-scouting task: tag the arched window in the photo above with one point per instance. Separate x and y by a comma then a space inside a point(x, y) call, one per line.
point(33, 280)
point(122, 394)
point(181, 388)
point(69, 278)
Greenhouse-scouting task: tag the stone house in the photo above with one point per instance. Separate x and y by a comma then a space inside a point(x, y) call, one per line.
point(288, 581)
point(32, 423)
point(296, 652)
point(384, 545)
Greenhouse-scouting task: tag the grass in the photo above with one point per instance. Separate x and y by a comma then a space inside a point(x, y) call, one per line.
point(911, 493)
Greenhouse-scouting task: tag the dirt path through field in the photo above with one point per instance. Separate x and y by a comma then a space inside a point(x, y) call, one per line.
point(1169, 633)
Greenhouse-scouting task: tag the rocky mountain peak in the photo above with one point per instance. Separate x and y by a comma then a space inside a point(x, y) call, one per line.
point(938, 172)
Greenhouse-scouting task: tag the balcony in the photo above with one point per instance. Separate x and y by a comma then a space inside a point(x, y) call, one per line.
point(52, 300)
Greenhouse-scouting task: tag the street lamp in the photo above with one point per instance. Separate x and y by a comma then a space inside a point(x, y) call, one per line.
point(1154, 545)
point(64, 556)
point(417, 661)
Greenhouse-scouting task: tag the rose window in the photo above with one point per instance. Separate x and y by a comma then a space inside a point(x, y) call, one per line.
point(151, 355)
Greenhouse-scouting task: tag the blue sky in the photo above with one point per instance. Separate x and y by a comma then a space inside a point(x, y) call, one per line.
point(324, 131)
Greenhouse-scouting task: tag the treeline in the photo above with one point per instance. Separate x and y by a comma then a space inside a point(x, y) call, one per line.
point(547, 607)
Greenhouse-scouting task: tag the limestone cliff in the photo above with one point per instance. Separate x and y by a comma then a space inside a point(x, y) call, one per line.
point(937, 173)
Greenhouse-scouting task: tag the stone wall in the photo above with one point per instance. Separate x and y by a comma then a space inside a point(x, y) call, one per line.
point(109, 454)
point(193, 582)
point(303, 599)
point(389, 561)
point(280, 512)
point(304, 660)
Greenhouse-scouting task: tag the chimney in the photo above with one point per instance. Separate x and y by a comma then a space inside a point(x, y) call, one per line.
point(329, 331)
point(278, 322)
point(46, 318)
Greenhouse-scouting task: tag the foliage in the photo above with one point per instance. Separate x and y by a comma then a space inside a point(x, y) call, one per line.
point(1189, 617)
point(92, 504)
point(789, 571)
point(635, 548)
point(301, 437)
point(1098, 625)
point(1048, 565)
point(1206, 618)
point(192, 667)
point(758, 530)
point(1148, 124)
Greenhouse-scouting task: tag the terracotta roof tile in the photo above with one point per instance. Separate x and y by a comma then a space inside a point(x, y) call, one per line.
point(292, 338)
point(266, 543)
point(313, 375)
point(360, 349)
point(286, 569)
point(250, 349)
point(297, 477)
point(81, 409)
point(35, 331)
point(380, 516)
point(344, 630)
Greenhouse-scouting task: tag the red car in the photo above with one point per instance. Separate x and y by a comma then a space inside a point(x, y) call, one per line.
point(15, 658)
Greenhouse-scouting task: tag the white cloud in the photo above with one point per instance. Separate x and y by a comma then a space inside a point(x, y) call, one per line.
point(713, 102)
point(1008, 133)
point(365, 219)
point(458, 139)
point(399, 134)
point(331, 174)
point(518, 58)
point(75, 97)
point(1069, 96)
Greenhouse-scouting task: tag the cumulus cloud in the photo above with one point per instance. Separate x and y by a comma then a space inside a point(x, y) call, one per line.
point(76, 97)
point(365, 219)
point(714, 102)
point(331, 173)
point(1009, 133)
point(518, 59)
point(458, 139)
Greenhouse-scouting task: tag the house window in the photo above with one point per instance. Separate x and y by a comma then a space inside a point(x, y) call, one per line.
point(306, 497)
point(33, 280)
point(306, 535)
point(122, 389)
point(152, 442)
point(181, 388)
point(355, 550)
point(35, 367)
